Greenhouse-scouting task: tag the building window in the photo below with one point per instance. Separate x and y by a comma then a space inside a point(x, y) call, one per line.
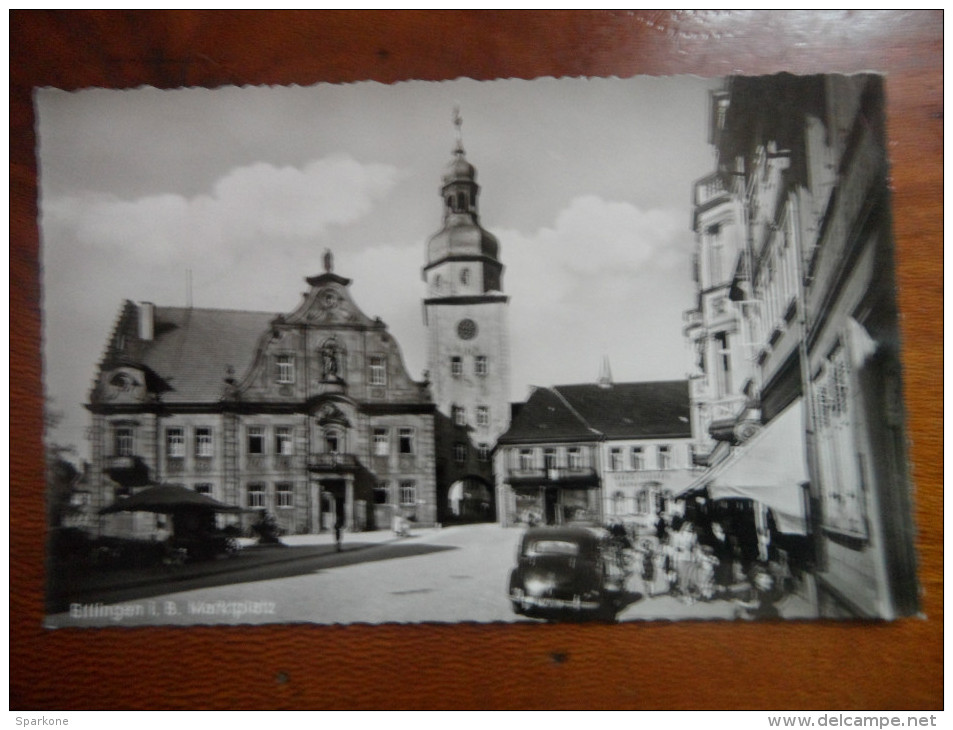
point(724, 363)
point(638, 458)
point(378, 375)
point(483, 415)
point(381, 493)
point(483, 452)
point(175, 443)
point(480, 366)
point(456, 366)
point(549, 458)
point(408, 492)
point(615, 459)
point(123, 441)
point(284, 494)
point(203, 443)
point(642, 502)
point(527, 461)
point(715, 254)
point(459, 452)
point(664, 457)
point(256, 440)
point(406, 444)
point(839, 462)
point(618, 503)
point(204, 488)
point(459, 415)
point(465, 277)
point(381, 442)
point(332, 442)
point(256, 496)
point(286, 369)
point(574, 455)
point(283, 442)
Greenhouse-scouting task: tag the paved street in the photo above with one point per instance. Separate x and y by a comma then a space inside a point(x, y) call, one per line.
point(453, 574)
point(439, 575)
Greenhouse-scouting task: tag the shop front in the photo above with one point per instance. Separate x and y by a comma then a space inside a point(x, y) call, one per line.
point(553, 497)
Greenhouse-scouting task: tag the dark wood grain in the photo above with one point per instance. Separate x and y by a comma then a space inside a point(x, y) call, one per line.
point(654, 666)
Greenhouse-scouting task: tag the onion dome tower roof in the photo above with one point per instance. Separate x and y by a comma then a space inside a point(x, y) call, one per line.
point(461, 234)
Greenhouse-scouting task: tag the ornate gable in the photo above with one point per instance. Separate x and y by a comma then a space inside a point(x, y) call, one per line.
point(328, 302)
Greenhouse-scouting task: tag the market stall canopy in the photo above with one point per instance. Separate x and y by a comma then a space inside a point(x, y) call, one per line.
point(770, 468)
point(167, 499)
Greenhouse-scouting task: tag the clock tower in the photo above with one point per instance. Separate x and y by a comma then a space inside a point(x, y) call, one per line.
point(468, 343)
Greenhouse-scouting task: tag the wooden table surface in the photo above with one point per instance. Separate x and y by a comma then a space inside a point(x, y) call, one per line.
point(817, 665)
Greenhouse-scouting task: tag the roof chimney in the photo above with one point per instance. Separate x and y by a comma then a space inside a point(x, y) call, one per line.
point(146, 321)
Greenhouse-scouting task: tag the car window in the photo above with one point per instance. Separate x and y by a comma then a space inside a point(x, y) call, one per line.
point(551, 547)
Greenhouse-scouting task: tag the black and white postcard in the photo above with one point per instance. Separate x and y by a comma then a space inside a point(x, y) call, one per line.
point(554, 350)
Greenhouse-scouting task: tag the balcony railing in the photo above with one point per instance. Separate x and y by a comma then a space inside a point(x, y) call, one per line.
point(128, 471)
point(709, 188)
point(332, 462)
point(553, 476)
point(118, 463)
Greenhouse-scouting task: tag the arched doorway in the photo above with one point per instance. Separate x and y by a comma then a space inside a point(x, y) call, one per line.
point(470, 500)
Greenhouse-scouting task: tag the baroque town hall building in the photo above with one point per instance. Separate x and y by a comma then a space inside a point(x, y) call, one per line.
point(311, 415)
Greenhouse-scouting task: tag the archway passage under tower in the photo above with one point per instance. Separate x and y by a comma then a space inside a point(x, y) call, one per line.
point(470, 500)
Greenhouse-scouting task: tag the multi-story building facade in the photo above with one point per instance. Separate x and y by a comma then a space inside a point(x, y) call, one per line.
point(816, 445)
point(465, 313)
point(715, 329)
point(309, 415)
point(599, 452)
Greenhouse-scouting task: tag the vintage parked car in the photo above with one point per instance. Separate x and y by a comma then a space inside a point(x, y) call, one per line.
point(565, 572)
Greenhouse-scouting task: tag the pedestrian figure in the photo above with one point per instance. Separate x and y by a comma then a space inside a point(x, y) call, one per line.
point(668, 570)
point(762, 596)
point(338, 537)
point(648, 567)
point(661, 529)
point(704, 582)
point(685, 541)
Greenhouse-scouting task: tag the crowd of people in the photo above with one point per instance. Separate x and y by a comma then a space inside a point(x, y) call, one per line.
point(698, 559)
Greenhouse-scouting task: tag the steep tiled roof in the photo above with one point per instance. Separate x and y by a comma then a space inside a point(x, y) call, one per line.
point(547, 417)
point(590, 411)
point(192, 348)
point(633, 410)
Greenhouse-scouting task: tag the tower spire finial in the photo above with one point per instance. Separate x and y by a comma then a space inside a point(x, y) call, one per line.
point(458, 123)
point(605, 373)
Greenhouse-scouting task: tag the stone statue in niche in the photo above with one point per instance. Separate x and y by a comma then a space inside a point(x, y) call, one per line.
point(330, 362)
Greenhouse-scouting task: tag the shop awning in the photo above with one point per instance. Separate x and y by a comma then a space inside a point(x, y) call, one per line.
point(167, 499)
point(770, 468)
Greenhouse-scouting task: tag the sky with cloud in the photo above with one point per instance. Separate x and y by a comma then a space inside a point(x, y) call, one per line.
point(585, 182)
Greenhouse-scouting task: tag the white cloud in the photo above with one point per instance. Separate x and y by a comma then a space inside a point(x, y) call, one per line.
point(249, 206)
point(608, 278)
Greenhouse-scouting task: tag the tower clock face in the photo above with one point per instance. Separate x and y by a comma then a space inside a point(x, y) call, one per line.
point(466, 329)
